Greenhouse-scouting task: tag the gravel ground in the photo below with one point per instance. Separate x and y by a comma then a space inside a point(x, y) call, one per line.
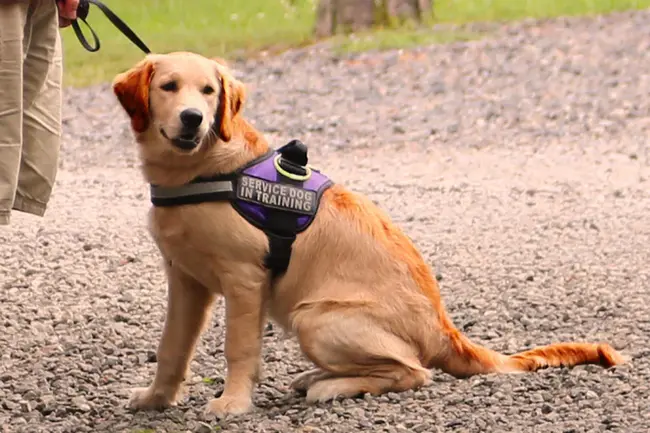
point(518, 163)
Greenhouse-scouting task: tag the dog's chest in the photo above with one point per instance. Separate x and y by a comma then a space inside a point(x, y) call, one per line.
point(205, 235)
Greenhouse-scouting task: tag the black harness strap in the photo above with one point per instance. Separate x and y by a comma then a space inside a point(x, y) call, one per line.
point(281, 234)
point(281, 225)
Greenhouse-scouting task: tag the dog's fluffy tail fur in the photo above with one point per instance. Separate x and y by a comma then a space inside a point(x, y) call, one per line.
point(464, 358)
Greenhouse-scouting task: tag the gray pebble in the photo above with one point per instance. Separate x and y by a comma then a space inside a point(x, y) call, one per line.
point(81, 403)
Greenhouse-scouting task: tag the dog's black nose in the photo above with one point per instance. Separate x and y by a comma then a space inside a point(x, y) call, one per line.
point(191, 118)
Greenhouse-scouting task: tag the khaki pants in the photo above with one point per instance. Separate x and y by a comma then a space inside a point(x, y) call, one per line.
point(30, 105)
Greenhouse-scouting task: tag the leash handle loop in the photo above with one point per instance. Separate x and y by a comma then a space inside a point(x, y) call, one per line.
point(82, 38)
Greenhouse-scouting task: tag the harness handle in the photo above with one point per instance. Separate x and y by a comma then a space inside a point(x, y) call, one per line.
point(82, 14)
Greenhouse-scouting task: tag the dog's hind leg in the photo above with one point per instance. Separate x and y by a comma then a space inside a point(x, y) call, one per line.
point(188, 307)
point(356, 355)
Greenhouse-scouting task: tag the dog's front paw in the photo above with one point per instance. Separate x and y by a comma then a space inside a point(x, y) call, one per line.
point(226, 405)
point(150, 399)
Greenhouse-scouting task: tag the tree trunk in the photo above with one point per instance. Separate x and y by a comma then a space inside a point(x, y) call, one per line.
point(334, 16)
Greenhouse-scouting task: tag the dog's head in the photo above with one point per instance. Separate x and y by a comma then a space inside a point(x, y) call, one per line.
point(179, 101)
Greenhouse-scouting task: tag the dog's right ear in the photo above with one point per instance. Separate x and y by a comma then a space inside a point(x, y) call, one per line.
point(132, 90)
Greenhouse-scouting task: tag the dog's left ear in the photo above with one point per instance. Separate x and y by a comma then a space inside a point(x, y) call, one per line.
point(132, 90)
point(231, 100)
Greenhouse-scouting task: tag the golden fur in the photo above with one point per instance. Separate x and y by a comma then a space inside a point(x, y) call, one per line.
point(357, 294)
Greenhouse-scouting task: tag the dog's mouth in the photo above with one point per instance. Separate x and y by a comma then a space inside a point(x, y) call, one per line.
point(185, 141)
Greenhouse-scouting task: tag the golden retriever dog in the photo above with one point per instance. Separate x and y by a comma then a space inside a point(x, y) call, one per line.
point(357, 294)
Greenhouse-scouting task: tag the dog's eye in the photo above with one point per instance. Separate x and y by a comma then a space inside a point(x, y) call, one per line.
point(208, 90)
point(170, 86)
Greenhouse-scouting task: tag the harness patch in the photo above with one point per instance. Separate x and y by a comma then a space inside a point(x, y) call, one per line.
point(276, 195)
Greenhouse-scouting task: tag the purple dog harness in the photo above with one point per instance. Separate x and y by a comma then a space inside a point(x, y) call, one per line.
point(278, 193)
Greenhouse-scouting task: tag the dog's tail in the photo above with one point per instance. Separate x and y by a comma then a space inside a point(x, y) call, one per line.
point(462, 358)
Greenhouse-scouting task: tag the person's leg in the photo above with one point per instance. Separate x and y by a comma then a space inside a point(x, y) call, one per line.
point(13, 17)
point(42, 99)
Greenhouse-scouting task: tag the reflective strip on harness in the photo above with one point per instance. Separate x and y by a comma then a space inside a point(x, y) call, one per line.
point(192, 189)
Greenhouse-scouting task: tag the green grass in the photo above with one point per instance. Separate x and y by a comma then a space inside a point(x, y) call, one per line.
point(229, 28)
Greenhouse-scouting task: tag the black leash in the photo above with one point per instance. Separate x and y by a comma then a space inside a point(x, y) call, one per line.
point(82, 14)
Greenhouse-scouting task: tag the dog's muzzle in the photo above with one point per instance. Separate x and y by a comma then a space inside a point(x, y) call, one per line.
point(185, 142)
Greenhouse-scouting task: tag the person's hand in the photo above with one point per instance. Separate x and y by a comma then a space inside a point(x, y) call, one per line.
point(67, 11)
